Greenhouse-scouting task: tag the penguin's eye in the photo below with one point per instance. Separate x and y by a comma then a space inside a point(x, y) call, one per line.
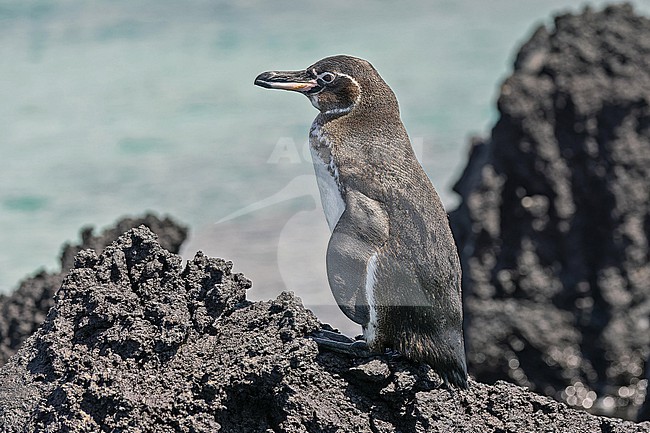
point(326, 77)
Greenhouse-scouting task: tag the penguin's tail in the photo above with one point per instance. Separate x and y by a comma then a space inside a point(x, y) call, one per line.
point(455, 377)
point(445, 357)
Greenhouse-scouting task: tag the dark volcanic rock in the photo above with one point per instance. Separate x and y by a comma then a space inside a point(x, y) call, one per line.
point(554, 223)
point(138, 342)
point(644, 412)
point(22, 312)
point(171, 236)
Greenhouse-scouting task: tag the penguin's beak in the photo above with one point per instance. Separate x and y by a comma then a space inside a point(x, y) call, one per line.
point(298, 81)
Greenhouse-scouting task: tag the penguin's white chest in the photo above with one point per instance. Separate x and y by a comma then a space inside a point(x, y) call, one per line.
point(327, 179)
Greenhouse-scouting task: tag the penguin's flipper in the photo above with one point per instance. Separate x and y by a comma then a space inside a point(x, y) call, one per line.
point(359, 235)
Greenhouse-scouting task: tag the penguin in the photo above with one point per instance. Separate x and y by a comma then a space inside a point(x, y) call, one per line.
point(392, 263)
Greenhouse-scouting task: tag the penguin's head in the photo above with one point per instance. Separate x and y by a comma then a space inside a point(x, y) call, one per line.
point(336, 85)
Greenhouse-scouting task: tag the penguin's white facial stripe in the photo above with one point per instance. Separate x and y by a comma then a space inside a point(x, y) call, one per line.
point(340, 110)
point(370, 331)
point(351, 106)
point(314, 97)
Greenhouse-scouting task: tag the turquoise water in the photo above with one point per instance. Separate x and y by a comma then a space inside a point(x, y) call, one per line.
point(114, 108)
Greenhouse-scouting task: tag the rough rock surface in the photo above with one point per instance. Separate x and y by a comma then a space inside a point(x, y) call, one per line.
point(644, 412)
point(554, 224)
point(138, 342)
point(23, 311)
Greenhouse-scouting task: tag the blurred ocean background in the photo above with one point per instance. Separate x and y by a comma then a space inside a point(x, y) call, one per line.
point(113, 108)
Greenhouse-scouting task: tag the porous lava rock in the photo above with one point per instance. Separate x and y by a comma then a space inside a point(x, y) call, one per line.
point(555, 216)
point(136, 341)
point(23, 311)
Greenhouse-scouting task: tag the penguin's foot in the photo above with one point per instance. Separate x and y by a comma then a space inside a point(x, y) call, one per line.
point(340, 343)
point(393, 355)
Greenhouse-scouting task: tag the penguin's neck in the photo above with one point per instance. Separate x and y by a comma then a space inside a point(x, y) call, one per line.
point(320, 141)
